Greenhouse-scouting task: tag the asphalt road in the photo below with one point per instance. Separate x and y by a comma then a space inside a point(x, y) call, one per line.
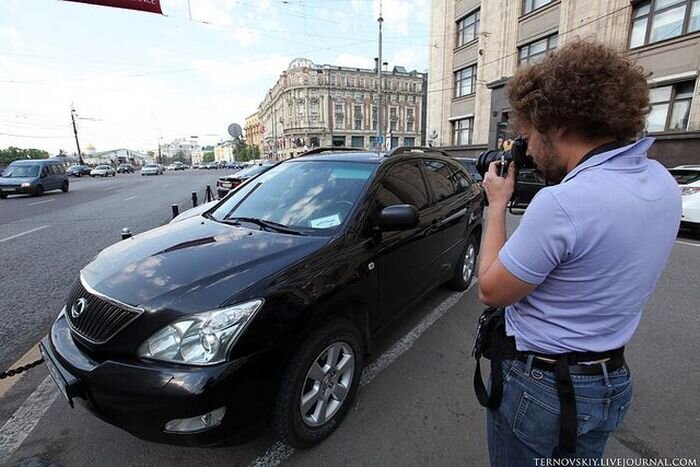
point(416, 407)
point(45, 241)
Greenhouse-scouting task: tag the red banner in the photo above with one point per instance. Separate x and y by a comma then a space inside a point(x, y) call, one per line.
point(152, 6)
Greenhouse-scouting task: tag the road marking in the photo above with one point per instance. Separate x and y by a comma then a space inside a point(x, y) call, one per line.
point(7, 383)
point(24, 420)
point(110, 187)
point(24, 233)
point(166, 185)
point(687, 243)
point(42, 202)
point(280, 452)
point(130, 197)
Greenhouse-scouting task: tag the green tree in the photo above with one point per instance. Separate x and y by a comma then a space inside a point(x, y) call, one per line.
point(208, 157)
point(182, 157)
point(13, 153)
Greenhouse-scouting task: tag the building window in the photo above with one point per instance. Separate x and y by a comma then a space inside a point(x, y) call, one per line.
point(468, 28)
point(538, 50)
point(670, 107)
point(357, 141)
point(374, 117)
point(465, 81)
point(338, 141)
point(462, 131)
point(410, 119)
point(409, 141)
point(531, 5)
point(656, 20)
point(393, 119)
point(357, 114)
point(339, 116)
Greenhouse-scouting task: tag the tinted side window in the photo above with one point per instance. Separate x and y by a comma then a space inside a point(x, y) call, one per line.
point(61, 169)
point(462, 181)
point(440, 177)
point(53, 170)
point(403, 184)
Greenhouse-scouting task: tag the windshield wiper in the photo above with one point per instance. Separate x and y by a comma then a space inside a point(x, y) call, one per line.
point(265, 224)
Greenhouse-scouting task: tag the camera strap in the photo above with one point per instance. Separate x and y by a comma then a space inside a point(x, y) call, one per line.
point(601, 149)
point(491, 342)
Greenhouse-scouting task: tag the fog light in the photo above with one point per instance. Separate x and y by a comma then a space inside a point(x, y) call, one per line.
point(26, 185)
point(195, 424)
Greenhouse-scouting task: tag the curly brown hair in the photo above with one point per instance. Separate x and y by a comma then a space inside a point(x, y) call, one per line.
point(585, 87)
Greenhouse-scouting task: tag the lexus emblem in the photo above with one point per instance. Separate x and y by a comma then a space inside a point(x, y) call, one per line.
point(78, 307)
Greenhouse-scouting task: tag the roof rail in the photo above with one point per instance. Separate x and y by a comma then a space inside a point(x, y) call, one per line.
point(331, 149)
point(415, 149)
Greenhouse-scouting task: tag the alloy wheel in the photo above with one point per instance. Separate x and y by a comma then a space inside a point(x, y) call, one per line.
point(327, 384)
point(469, 263)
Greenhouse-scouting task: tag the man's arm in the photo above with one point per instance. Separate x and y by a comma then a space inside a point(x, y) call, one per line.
point(497, 286)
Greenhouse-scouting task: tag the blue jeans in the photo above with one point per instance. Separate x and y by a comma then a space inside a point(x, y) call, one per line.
point(526, 425)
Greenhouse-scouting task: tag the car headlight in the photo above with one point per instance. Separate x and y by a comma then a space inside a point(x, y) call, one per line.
point(200, 339)
point(26, 185)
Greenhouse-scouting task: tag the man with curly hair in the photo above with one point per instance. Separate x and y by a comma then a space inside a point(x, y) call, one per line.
point(576, 273)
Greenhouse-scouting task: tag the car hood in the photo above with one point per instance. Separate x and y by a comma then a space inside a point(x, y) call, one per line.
point(16, 180)
point(193, 265)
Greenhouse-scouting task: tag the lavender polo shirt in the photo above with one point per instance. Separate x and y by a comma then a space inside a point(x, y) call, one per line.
point(595, 246)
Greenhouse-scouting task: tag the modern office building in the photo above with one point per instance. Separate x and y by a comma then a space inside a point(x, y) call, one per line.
point(476, 46)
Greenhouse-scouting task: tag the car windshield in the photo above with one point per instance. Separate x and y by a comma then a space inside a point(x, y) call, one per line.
point(102, 167)
point(150, 166)
point(686, 176)
point(21, 170)
point(315, 196)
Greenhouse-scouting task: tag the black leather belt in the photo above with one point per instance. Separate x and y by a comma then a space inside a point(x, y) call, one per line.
point(591, 369)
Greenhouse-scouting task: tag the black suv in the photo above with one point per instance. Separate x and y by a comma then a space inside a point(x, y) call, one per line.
point(263, 308)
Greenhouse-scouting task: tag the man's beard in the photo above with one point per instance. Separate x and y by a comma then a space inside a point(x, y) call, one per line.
point(550, 165)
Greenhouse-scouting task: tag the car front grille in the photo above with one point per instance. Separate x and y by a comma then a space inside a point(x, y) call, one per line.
point(100, 319)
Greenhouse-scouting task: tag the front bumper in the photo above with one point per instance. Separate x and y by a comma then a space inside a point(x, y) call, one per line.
point(17, 190)
point(141, 396)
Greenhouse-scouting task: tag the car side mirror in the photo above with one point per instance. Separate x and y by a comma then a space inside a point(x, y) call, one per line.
point(397, 217)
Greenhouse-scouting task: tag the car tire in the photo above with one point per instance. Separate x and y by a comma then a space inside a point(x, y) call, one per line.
point(466, 266)
point(38, 191)
point(336, 389)
point(64, 187)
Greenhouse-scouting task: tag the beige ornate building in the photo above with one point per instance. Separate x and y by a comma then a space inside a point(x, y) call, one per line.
point(476, 46)
point(312, 106)
point(251, 129)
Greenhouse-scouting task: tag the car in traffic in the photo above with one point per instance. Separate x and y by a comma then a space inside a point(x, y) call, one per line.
point(151, 169)
point(78, 170)
point(177, 165)
point(125, 168)
point(34, 177)
point(261, 309)
point(103, 171)
point(688, 178)
point(229, 182)
point(211, 166)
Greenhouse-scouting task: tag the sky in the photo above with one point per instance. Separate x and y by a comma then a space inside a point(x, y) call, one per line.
point(135, 77)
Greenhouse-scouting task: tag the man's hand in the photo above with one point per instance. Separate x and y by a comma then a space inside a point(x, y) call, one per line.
point(498, 189)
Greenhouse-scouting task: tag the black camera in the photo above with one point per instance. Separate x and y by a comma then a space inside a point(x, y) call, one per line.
point(527, 181)
point(517, 154)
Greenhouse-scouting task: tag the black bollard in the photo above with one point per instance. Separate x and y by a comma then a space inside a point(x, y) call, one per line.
point(194, 199)
point(126, 233)
point(176, 210)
